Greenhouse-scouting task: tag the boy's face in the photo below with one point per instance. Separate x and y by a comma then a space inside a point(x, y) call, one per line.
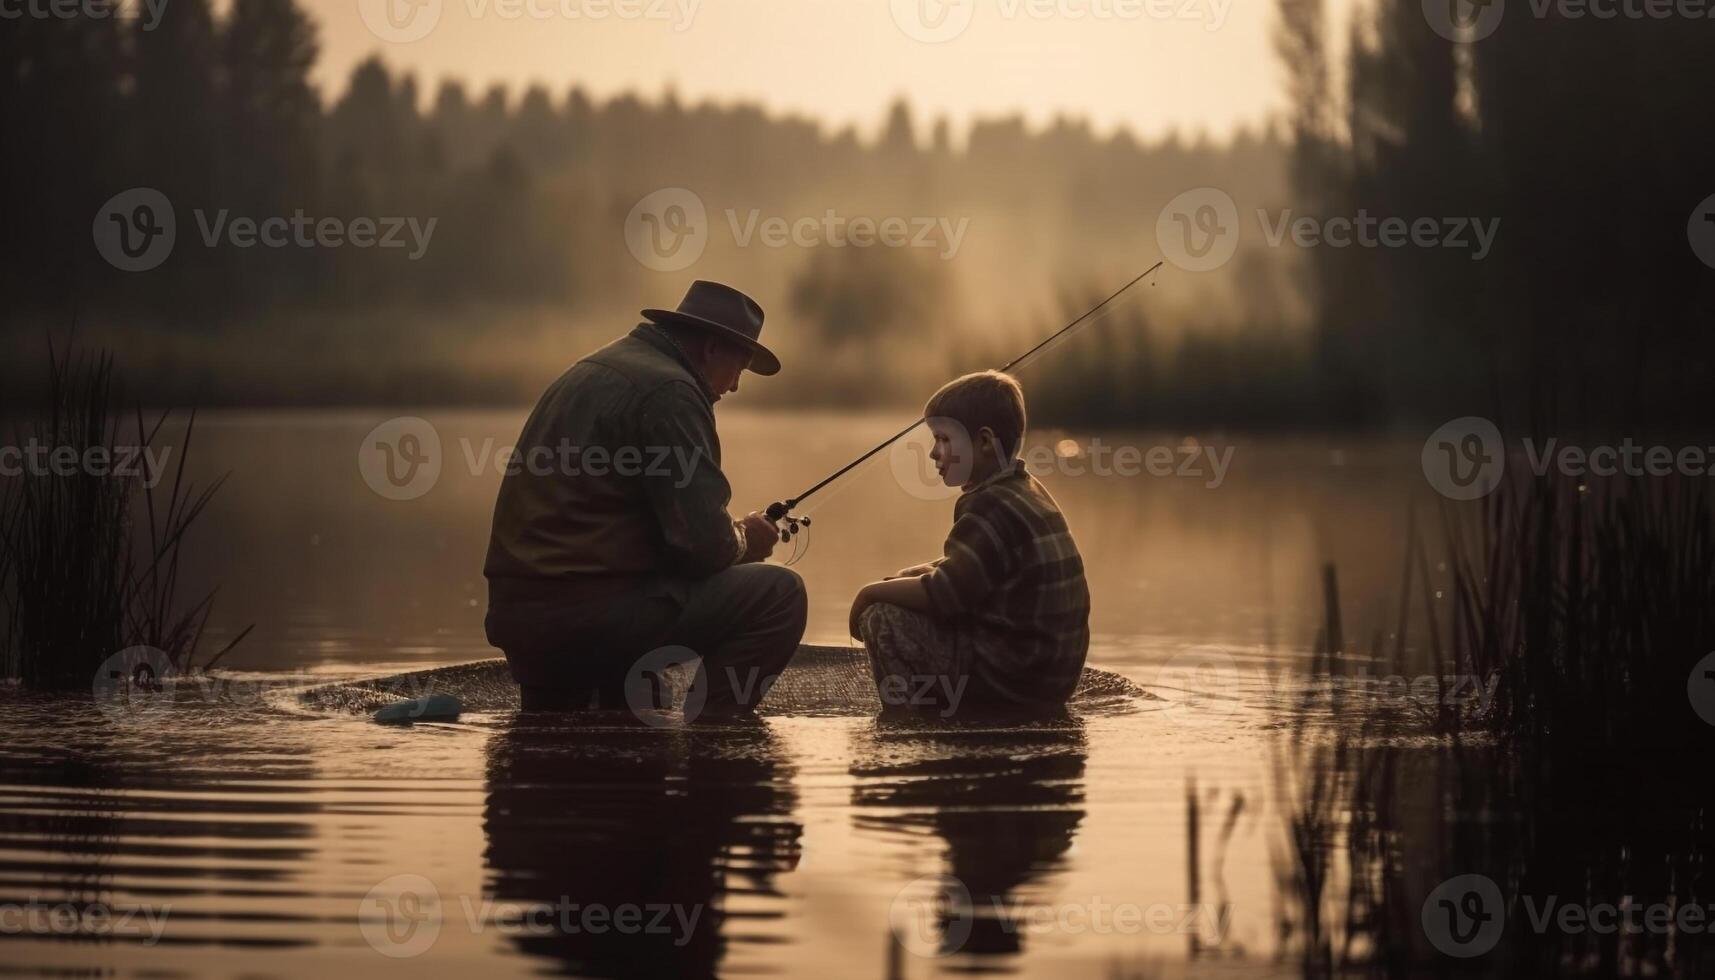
point(959, 460)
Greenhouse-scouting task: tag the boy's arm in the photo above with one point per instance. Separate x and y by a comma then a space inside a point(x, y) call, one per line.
point(916, 570)
point(906, 592)
point(978, 558)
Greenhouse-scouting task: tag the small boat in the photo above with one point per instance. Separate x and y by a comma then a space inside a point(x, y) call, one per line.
point(825, 681)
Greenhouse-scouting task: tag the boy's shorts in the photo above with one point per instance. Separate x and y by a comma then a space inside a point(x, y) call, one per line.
point(916, 661)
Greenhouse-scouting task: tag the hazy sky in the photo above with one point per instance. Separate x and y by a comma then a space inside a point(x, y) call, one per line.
point(1150, 64)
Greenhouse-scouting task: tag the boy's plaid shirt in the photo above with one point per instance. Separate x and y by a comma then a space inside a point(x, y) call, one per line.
point(1012, 571)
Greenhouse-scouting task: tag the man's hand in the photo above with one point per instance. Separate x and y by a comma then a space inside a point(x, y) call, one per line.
point(760, 537)
point(913, 571)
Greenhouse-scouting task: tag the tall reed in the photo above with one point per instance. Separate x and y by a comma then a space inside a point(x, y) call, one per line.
point(90, 554)
point(1585, 781)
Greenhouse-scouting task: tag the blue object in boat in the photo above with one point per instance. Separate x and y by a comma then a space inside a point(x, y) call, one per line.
point(435, 707)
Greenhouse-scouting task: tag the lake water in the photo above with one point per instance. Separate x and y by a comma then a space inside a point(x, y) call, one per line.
point(248, 839)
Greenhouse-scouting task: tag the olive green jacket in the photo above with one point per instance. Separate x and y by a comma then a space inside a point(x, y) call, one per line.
point(616, 480)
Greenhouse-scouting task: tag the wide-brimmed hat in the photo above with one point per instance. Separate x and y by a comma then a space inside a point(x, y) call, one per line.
point(728, 314)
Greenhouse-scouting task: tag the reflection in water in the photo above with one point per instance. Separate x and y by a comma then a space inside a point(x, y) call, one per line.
point(683, 826)
point(1007, 803)
point(118, 844)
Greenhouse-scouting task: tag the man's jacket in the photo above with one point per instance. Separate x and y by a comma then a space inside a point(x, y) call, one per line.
point(616, 480)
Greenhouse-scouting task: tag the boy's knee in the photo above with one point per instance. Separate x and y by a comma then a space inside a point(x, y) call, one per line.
point(874, 619)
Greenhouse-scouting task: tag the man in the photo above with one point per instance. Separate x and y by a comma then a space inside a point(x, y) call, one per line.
point(611, 535)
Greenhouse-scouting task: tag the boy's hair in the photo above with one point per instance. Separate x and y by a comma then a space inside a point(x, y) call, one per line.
point(987, 398)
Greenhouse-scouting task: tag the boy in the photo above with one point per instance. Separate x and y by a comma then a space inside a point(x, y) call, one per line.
point(1002, 620)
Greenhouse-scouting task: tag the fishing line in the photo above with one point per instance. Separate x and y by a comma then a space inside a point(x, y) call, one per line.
point(797, 525)
point(835, 491)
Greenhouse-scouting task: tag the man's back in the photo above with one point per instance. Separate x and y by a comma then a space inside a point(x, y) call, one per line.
point(616, 476)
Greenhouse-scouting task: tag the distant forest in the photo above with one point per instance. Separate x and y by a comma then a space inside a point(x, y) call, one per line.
point(1586, 139)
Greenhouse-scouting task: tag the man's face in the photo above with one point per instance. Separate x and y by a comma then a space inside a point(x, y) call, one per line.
point(722, 365)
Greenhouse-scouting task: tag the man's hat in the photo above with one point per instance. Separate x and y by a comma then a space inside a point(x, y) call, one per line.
point(726, 313)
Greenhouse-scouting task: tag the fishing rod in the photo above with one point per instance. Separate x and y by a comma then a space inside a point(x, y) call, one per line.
point(781, 509)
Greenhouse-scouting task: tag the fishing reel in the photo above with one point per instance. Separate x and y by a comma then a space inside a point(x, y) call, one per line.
point(791, 527)
point(794, 525)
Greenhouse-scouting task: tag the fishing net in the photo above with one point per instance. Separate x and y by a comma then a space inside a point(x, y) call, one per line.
point(821, 680)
